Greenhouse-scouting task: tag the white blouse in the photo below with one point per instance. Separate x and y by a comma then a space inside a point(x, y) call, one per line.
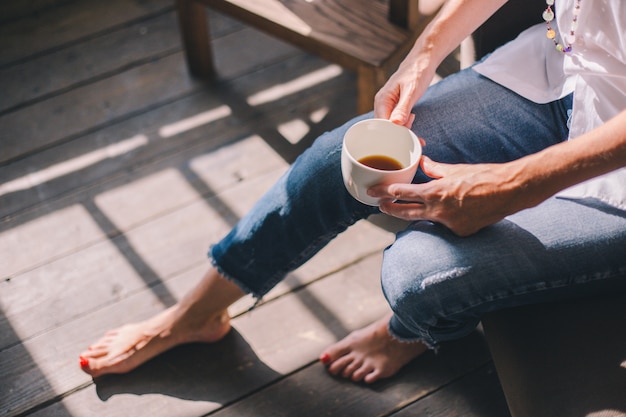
point(595, 71)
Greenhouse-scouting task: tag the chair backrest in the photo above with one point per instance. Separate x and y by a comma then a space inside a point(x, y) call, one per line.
point(512, 18)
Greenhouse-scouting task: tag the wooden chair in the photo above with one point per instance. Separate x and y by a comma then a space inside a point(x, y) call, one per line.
point(369, 38)
point(563, 359)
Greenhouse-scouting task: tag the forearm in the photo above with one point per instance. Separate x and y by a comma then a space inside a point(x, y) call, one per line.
point(595, 153)
point(456, 20)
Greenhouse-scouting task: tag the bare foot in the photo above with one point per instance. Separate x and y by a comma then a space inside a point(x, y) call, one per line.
point(370, 354)
point(201, 316)
point(123, 349)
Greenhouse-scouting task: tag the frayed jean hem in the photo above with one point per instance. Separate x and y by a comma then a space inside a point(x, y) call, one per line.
point(257, 296)
point(397, 331)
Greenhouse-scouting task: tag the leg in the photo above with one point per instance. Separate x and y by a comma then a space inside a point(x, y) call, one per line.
point(195, 36)
point(297, 217)
point(456, 118)
point(369, 81)
point(201, 316)
point(370, 353)
point(305, 209)
point(309, 205)
point(561, 249)
point(558, 250)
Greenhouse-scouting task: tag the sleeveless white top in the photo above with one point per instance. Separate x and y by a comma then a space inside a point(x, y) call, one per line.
point(595, 71)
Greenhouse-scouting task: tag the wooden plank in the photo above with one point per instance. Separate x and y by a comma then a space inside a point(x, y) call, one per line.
point(477, 394)
point(48, 237)
point(111, 271)
point(96, 57)
point(342, 32)
point(86, 108)
point(66, 176)
point(312, 392)
point(202, 118)
point(100, 157)
point(276, 339)
point(58, 26)
point(200, 163)
point(53, 353)
point(108, 270)
point(13, 10)
point(116, 98)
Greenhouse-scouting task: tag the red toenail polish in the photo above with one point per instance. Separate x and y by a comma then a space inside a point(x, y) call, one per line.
point(83, 361)
point(325, 358)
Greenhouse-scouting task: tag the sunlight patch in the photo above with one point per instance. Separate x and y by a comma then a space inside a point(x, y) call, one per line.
point(147, 197)
point(72, 165)
point(47, 237)
point(294, 130)
point(193, 122)
point(319, 114)
point(301, 83)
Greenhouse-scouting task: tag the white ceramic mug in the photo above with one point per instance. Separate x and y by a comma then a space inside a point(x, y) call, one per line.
point(377, 137)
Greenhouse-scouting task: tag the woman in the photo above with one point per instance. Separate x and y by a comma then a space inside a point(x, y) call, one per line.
point(514, 210)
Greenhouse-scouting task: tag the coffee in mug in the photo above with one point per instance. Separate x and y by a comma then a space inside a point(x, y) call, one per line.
point(378, 151)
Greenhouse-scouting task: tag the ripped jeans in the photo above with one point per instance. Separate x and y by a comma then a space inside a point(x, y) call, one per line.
point(439, 285)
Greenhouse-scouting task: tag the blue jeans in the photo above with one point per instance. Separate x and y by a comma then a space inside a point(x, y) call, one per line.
point(438, 284)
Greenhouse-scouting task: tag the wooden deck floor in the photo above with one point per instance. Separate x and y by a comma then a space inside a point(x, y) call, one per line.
point(118, 170)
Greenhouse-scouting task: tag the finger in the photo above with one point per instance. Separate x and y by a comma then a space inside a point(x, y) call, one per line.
point(384, 103)
point(431, 168)
point(401, 114)
point(382, 111)
point(410, 212)
point(400, 192)
point(380, 191)
point(409, 123)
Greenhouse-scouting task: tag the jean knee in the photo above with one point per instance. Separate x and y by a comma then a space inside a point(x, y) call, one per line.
point(403, 283)
point(423, 278)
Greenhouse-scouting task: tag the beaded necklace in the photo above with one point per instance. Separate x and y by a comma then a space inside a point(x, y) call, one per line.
point(570, 38)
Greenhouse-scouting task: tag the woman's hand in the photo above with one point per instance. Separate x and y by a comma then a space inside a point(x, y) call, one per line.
point(456, 20)
point(463, 197)
point(467, 198)
point(396, 98)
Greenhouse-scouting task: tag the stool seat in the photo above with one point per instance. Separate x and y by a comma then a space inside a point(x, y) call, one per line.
point(370, 38)
point(564, 359)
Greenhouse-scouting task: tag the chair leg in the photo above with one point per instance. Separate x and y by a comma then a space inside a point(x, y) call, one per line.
point(369, 81)
point(405, 13)
point(195, 37)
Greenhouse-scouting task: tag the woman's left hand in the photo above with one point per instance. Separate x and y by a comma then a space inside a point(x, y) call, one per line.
point(463, 197)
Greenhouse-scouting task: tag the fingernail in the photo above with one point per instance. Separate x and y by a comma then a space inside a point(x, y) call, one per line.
point(83, 361)
point(325, 358)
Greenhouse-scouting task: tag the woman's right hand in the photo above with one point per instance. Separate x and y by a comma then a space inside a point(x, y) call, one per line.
point(395, 100)
point(456, 20)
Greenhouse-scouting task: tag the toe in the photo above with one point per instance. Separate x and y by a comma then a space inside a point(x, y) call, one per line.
point(351, 368)
point(339, 365)
point(83, 361)
point(361, 373)
point(372, 376)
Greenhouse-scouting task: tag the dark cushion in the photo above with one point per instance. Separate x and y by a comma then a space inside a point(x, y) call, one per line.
point(564, 359)
point(511, 19)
